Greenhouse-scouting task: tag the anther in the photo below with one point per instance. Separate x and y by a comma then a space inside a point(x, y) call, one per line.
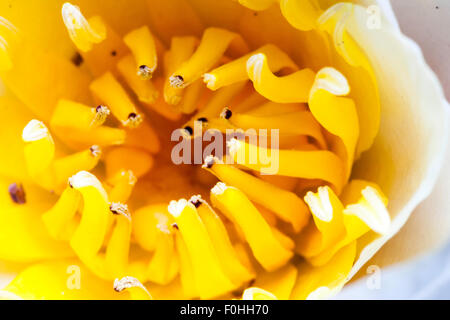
point(202, 119)
point(219, 188)
point(17, 193)
point(133, 121)
point(226, 113)
point(101, 113)
point(77, 59)
point(189, 130)
point(196, 200)
point(35, 130)
point(126, 283)
point(177, 81)
point(209, 162)
point(175, 226)
point(119, 208)
point(144, 72)
point(96, 151)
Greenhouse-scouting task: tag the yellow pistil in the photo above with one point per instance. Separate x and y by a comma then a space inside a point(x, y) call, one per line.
point(142, 44)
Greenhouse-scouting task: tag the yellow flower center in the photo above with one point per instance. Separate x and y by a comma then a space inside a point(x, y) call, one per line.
point(119, 204)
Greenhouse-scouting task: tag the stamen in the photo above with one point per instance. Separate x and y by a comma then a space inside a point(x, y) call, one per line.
point(175, 208)
point(177, 81)
point(371, 210)
point(86, 179)
point(143, 46)
point(17, 193)
point(196, 200)
point(95, 151)
point(221, 98)
point(181, 49)
point(236, 70)
point(35, 130)
point(210, 161)
point(101, 113)
point(77, 59)
point(145, 90)
point(226, 113)
point(320, 204)
point(111, 92)
point(134, 120)
point(39, 152)
point(144, 72)
point(65, 167)
point(120, 208)
point(219, 188)
point(287, 89)
point(123, 183)
point(74, 115)
point(192, 97)
point(83, 33)
point(189, 130)
point(233, 146)
point(213, 45)
point(126, 283)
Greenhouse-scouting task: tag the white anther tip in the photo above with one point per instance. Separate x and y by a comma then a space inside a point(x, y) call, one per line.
point(35, 130)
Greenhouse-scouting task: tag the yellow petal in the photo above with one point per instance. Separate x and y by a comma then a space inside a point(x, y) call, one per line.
point(22, 228)
point(324, 282)
point(60, 280)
